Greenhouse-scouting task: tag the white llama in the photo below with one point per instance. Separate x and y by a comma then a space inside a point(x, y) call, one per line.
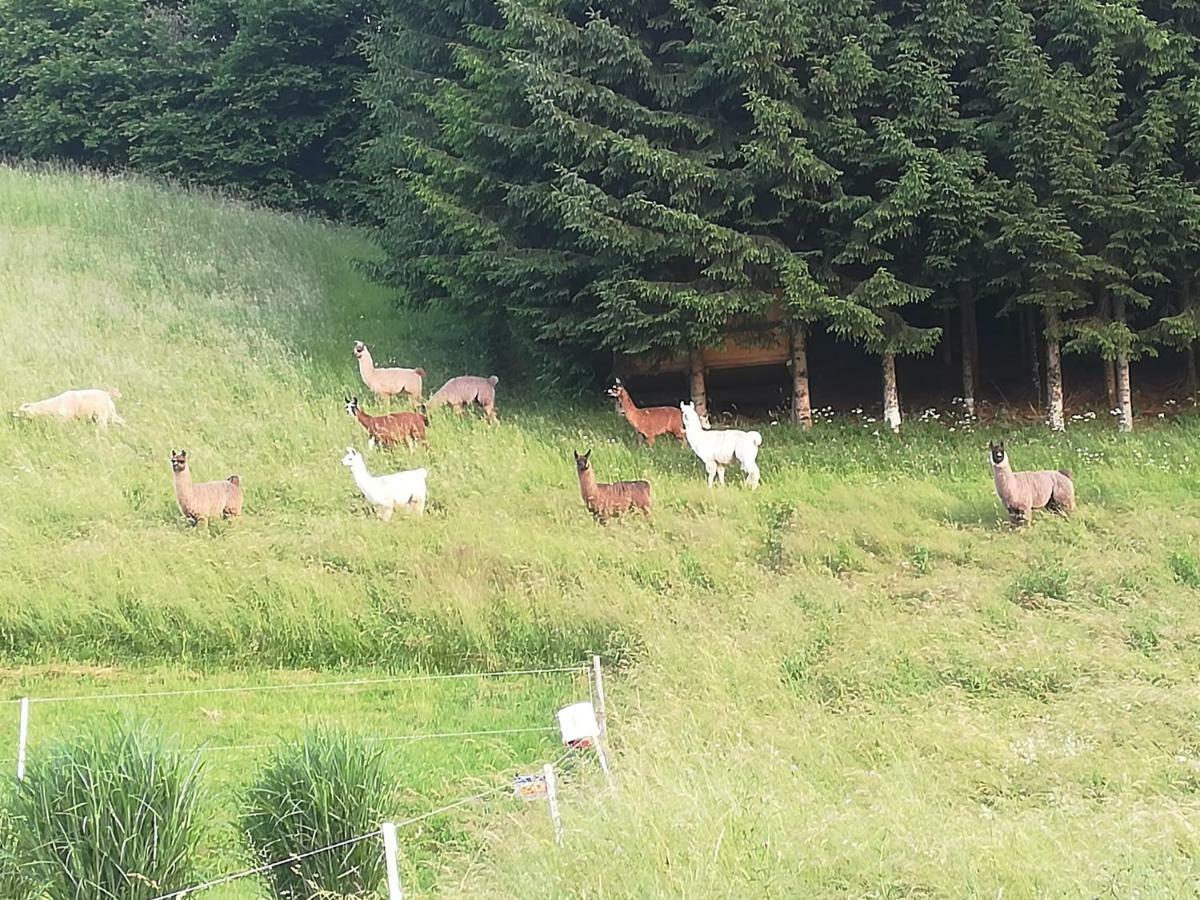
point(717, 449)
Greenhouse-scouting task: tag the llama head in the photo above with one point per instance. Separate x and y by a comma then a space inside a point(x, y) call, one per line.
point(584, 462)
point(115, 393)
point(352, 457)
point(178, 461)
point(351, 405)
point(359, 349)
point(997, 453)
point(617, 387)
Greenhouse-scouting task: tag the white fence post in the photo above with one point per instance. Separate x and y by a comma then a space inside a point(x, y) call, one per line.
point(602, 710)
point(390, 853)
point(22, 739)
point(552, 801)
point(603, 757)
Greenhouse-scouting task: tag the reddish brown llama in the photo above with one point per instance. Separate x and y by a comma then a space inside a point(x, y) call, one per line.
point(607, 500)
point(650, 421)
point(389, 430)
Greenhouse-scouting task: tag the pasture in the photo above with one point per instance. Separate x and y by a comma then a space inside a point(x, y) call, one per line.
point(856, 681)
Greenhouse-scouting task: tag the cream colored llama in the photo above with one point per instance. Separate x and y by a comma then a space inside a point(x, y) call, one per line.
point(387, 383)
point(207, 500)
point(466, 389)
point(88, 403)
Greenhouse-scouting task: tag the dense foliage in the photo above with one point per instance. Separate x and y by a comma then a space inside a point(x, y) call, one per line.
point(113, 813)
point(328, 788)
point(255, 97)
point(635, 177)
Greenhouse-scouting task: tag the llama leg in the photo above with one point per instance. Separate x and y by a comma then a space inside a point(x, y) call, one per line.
point(752, 474)
point(418, 506)
point(721, 475)
point(711, 468)
point(1018, 515)
point(385, 513)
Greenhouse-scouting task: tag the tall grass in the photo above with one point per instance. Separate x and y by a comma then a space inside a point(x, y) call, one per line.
point(857, 681)
point(112, 814)
point(326, 789)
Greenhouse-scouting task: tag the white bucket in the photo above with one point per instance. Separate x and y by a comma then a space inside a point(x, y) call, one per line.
point(577, 723)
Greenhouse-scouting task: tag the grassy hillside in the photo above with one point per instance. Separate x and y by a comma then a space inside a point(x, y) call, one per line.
point(855, 682)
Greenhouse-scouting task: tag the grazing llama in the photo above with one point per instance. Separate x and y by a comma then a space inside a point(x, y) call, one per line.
point(389, 430)
point(718, 448)
point(465, 389)
point(387, 492)
point(207, 500)
point(648, 421)
point(606, 500)
point(89, 403)
point(387, 383)
point(1023, 492)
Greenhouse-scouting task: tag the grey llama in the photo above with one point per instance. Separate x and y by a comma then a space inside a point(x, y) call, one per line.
point(467, 389)
point(1023, 492)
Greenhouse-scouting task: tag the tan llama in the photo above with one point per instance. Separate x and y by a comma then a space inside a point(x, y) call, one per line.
point(207, 500)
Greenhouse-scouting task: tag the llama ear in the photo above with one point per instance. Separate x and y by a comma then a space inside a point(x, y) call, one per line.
point(588, 455)
point(576, 454)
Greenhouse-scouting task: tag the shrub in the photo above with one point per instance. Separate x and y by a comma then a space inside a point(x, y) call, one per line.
point(1185, 568)
point(326, 788)
point(113, 814)
point(1041, 586)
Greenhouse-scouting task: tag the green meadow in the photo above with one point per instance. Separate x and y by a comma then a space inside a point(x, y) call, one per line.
point(857, 681)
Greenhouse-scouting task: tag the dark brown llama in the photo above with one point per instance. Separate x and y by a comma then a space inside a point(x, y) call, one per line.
point(607, 500)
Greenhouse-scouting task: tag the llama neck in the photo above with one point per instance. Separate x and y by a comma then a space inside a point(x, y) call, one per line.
point(587, 483)
point(366, 365)
point(183, 483)
point(627, 405)
point(363, 419)
point(362, 477)
point(1003, 475)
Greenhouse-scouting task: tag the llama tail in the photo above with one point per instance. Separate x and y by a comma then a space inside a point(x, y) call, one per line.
point(756, 438)
point(235, 480)
point(493, 379)
point(420, 372)
point(1066, 472)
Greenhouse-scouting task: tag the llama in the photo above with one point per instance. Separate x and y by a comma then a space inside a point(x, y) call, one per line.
point(648, 421)
point(465, 389)
point(208, 500)
point(89, 403)
point(387, 492)
point(1023, 492)
point(606, 500)
point(387, 383)
point(717, 449)
point(387, 431)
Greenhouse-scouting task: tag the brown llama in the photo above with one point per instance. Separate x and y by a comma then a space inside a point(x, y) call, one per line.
point(607, 500)
point(207, 500)
point(391, 429)
point(648, 421)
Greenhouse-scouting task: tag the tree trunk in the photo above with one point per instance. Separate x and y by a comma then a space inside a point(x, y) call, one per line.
point(891, 399)
point(696, 383)
point(969, 374)
point(1110, 372)
point(1030, 318)
point(1124, 394)
point(947, 344)
point(1193, 384)
point(801, 398)
point(1054, 382)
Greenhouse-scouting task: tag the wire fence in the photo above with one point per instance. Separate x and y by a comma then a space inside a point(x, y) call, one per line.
point(181, 893)
point(101, 697)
